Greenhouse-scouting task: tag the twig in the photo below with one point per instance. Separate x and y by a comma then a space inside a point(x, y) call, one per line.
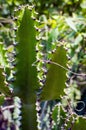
point(57, 64)
point(65, 68)
point(7, 107)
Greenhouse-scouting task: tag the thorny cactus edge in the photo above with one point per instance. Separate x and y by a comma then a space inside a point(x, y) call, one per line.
point(27, 80)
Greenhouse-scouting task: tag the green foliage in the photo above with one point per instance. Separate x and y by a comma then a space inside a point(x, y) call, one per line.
point(3, 84)
point(35, 68)
point(3, 58)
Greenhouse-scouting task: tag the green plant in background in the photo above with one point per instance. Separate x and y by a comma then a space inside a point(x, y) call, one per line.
point(35, 91)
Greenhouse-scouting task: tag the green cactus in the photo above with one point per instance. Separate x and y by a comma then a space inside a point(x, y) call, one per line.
point(25, 85)
point(38, 71)
point(56, 76)
point(25, 58)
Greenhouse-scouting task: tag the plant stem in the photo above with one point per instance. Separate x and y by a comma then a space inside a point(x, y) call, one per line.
point(29, 117)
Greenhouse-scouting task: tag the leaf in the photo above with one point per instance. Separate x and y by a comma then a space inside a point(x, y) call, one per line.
point(56, 76)
point(83, 4)
point(3, 58)
point(71, 24)
point(53, 35)
point(78, 39)
point(26, 76)
point(52, 39)
point(3, 85)
point(4, 61)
